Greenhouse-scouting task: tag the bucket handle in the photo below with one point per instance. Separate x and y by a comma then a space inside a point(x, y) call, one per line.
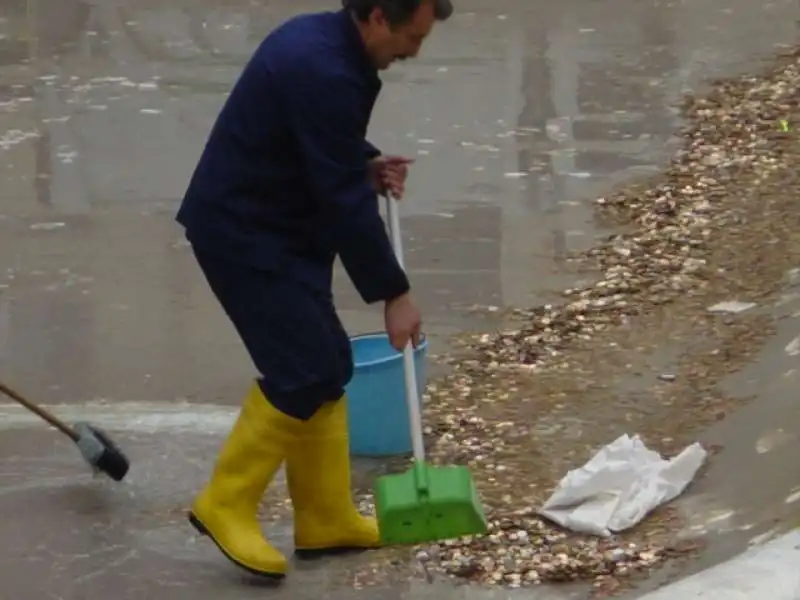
point(380, 333)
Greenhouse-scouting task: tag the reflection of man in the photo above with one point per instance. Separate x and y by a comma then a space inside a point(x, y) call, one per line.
point(60, 25)
point(287, 182)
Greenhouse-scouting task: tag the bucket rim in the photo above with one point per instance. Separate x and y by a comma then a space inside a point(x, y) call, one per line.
point(423, 345)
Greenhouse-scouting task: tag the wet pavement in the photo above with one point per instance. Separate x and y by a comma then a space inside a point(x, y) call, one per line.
point(518, 112)
point(751, 492)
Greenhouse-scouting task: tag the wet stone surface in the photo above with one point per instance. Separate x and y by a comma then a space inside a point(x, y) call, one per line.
point(520, 114)
point(79, 536)
point(84, 537)
point(693, 237)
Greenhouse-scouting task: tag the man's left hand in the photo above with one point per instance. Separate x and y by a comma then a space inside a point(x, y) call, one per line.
point(389, 174)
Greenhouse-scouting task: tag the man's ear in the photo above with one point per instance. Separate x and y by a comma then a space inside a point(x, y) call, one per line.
point(377, 17)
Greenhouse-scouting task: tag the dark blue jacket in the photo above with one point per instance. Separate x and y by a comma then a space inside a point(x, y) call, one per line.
point(283, 182)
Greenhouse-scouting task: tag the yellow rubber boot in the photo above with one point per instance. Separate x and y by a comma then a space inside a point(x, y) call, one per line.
point(226, 509)
point(318, 475)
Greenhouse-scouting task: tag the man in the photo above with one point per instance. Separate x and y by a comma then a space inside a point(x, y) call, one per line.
point(286, 183)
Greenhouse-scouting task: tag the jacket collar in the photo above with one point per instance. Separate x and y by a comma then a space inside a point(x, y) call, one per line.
point(356, 44)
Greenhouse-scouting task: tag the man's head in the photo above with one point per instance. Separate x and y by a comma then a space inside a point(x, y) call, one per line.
point(395, 29)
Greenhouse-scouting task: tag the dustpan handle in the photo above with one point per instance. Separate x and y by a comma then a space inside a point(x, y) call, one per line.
point(409, 369)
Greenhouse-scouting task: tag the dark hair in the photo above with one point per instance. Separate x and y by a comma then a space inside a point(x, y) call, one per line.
point(397, 11)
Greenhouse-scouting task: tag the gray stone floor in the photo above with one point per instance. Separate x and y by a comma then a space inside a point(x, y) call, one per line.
point(104, 107)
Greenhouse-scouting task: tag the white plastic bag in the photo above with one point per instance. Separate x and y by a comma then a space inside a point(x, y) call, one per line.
point(620, 486)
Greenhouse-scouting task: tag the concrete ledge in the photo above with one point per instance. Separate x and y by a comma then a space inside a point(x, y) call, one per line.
point(763, 572)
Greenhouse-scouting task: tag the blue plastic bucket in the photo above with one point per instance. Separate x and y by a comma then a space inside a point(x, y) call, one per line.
point(378, 414)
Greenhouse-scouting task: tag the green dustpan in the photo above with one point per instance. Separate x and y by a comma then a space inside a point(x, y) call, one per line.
point(428, 503)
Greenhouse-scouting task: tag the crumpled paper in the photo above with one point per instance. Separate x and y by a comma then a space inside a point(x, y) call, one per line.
point(620, 486)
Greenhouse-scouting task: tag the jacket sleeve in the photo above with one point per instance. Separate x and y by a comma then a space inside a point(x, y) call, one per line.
point(325, 115)
point(372, 151)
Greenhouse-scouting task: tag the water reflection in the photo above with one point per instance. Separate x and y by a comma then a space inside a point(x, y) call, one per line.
point(515, 122)
point(593, 111)
point(58, 27)
point(596, 105)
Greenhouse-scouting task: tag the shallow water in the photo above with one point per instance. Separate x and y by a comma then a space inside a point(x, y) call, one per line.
point(518, 113)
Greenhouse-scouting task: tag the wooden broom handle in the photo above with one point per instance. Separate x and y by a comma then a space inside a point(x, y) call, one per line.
point(47, 416)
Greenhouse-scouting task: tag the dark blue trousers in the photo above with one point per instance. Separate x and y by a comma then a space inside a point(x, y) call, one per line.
point(292, 333)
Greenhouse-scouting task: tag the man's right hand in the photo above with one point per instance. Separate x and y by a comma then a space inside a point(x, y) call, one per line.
point(403, 322)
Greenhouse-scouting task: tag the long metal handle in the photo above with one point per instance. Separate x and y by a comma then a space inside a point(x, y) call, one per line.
point(37, 410)
point(409, 369)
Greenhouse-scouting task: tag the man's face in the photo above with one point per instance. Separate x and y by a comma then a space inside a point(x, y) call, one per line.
point(387, 44)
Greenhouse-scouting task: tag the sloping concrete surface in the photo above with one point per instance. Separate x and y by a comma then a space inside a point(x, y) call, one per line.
point(104, 107)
